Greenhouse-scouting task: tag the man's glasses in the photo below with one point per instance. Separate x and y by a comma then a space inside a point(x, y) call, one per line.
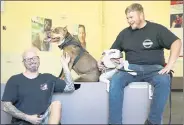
point(35, 58)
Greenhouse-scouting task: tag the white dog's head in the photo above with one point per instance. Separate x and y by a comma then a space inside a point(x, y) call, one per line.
point(109, 55)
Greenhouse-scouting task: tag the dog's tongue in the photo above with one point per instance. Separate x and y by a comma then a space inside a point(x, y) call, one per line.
point(47, 39)
point(53, 40)
point(115, 60)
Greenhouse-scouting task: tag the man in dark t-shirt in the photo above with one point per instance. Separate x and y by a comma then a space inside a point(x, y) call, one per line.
point(28, 95)
point(143, 43)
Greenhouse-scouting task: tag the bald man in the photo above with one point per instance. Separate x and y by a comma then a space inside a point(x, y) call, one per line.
point(27, 96)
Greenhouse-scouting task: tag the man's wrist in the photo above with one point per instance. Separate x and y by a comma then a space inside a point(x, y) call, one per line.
point(66, 68)
point(65, 65)
point(171, 62)
point(26, 117)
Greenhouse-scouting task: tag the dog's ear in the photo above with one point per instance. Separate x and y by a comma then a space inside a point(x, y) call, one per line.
point(65, 28)
point(55, 30)
point(103, 53)
point(52, 29)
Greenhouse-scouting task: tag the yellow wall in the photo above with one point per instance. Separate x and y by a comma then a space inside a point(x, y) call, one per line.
point(17, 18)
point(103, 21)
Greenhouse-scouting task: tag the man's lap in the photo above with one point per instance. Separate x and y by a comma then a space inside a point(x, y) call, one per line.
point(45, 116)
point(145, 73)
point(22, 122)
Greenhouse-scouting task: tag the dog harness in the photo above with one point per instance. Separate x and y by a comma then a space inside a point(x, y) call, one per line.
point(72, 41)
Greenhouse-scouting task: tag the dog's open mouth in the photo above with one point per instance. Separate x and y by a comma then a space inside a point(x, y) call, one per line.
point(115, 60)
point(56, 39)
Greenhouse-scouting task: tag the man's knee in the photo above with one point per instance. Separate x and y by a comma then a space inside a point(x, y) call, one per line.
point(55, 113)
point(56, 105)
point(162, 80)
point(120, 80)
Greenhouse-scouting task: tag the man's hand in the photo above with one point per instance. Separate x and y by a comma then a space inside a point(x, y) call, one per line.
point(34, 119)
point(65, 59)
point(100, 65)
point(166, 69)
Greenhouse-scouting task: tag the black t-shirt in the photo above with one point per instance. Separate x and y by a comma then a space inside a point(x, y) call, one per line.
point(32, 96)
point(145, 46)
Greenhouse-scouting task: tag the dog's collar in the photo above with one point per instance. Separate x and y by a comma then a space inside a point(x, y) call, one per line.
point(60, 42)
point(67, 41)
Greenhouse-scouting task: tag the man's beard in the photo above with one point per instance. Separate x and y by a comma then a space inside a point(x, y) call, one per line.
point(32, 67)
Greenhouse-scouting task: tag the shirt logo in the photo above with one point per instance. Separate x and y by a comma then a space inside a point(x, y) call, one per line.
point(147, 43)
point(44, 86)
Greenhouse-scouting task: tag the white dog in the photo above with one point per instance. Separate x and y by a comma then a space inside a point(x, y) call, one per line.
point(112, 66)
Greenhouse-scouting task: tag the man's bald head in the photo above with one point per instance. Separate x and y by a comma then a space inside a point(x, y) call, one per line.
point(29, 53)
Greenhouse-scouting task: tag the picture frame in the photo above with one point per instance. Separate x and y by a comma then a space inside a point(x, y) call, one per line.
point(2, 5)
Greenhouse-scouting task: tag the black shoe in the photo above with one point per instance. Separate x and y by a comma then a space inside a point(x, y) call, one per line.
point(147, 122)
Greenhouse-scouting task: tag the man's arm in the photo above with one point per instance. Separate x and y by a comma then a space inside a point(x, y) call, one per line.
point(68, 79)
point(9, 97)
point(170, 41)
point(117, 43)
point(12, 110)
point(174, 54)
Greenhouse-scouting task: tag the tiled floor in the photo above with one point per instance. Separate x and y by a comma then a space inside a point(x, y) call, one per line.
point(177, 109)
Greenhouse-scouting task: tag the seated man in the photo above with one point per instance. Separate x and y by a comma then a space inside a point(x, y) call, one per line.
point(143, 43)
point(27, 96)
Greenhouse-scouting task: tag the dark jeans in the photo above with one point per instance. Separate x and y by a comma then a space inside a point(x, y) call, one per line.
point(145, 73)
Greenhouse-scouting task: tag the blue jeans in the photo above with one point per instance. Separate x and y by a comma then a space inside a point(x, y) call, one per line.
point(145, 73)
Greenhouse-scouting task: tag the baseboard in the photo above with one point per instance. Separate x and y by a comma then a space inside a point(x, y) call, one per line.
point(177, 90)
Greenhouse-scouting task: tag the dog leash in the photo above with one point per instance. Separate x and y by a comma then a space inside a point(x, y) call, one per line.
point(170, 101)
point(170, 98)
point(75, 61)
point(78, 56)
